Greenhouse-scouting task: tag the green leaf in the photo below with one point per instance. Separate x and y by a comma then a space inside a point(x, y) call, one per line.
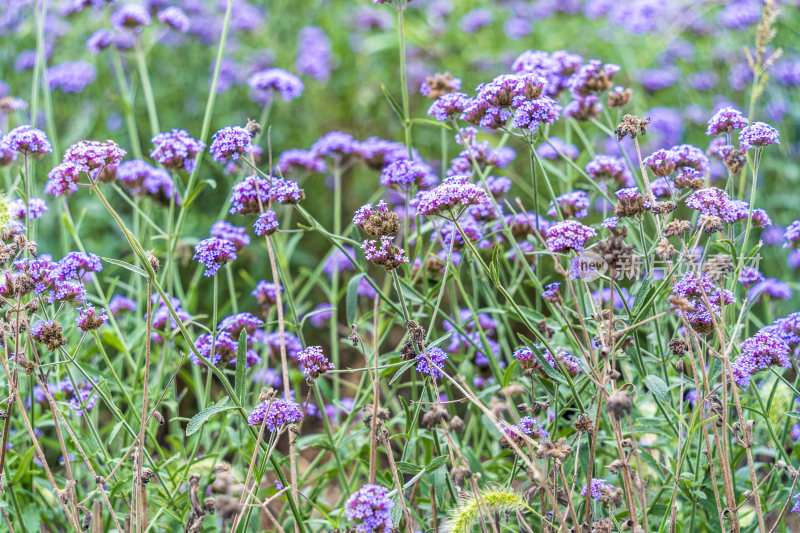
point(657, 386)
point(24, 466)
point(126, 266)
point(392, 102)
point(241, 362)
point(203, 416)
point(438, 478)
point(436, 464)
point(352, 298)
point(404, 467)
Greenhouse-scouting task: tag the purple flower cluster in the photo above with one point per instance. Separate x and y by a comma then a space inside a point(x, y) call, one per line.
point(140, 178)
point(530, 426)
point(314, 362)
point(265, 292)
point(275, 414)
point(454, 191)
point(791, 236)
point(405, 173)
point(27, 140)
point(726, 120)
point(759, 352)
point(606, 168)
point(176, 149)
point(253, 192)
point(550, 293)
point(213, 253)
point(597, 487)
point(89, 318)
point(130, 16)
point(758, 134)
point(231, 142)
point(120, 303)
point(72, 76)
point(568, 235)
point(36, 208)
point(92, 155)
point(227, 231)
point(175, 18)
point(528, 360)
point(431, 362)
point(266, 223)
point(369, 510)
point(384, 253)
point(314, 55)
point(267, 83)
point(572, 204)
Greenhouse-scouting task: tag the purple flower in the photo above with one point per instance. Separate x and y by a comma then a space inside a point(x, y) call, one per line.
point(773, 287)
point(176, 149)
point(384, 253)
point(454, 191)
point(266, 223)
point(758, 134)
point(36, 208)
point(213, 253)
point(275, 414)
point(335, 144)
point(265, 292)
point(592, 77)
point(572, 204)
point(656, 79)
point(89, 318)
point(71, 77)
point(234, 324)
point(75, 265)
point(476, 19)
point(448, 106)
point(314, 55)
point(791, 236)
point(266, 83)
point(533, 113)
point(339, 261)
point(131, 16)
point(555, 147)
point(98, 41)
point(711, 201)
point(120, 303)
point(550, 293)
point(568, 235)
point(230, 142)
point(314, 362)
point(598, 486)
point(369, 509)
point(726, 120)
point(28, 140)
point(530, 426)
point(606, 168)
point(661, 162)
point(431, 362)
point(320, 315)
point(405, 173)
point(759, 352)
point(235, 234)
point(749, 275)
point(175, 18)
point(92, 155)
point(300, 159)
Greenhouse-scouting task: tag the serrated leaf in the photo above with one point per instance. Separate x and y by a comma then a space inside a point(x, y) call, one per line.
point(241, 363)
point(126, 266)
point(657, 386)
point(351, 303)
point(405, 467)
point(203, 416)
point(436, 464)
point(24, 466)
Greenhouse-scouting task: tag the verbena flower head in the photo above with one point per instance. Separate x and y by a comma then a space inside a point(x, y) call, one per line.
point(568, 235)
point(773, 287)
point(213, 253)
point(606, 168)
point(230, 142)
point(750, 275)
point(130, 16)
point(712, 201)
point(592, 77)
point(72, 76)
point(551, 291)
point(235, 234)
point(530, 426)
point(405, 173)
point(267, 83)
point(92, 155)
point(726, 120)
point(377, 220)
point(75, 265)
point(175, 18)
point(99, 41)
point(275, 414)
point(176, 149)
point(759, 352)
point(758, 134)
point(369, 510)
point(453, 192)
point(531, 114)
point(448, 106)
point(384, 253)
point(314, 56)
point(28, 140)
point(661, 162)
point(687, 155)
point(265, 292)
point(234, 324)
point(314, 362)
point(791, 236)
point(300, 160)
point(437, 357)
point(120, 303)
point(598, 486)
point(572, 204)
point(90, 318)
point(266, 223)
point(36, 208)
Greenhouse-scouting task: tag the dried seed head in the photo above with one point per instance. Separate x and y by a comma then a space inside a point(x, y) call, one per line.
point(663, 208)
point(435, 416)
point(545, 329)
point(382, 414)
point(619, 404)
point(619, 97)
point(512, 389)
point(615, 466)
point(677, 228)
point(252, 127)
point(718, 266)
point(584, 424)
point(456, 424)
point(407, 351)
point(735, 160)
point(441, 84)
point(678, 346)
point(632, 126)
point(460, 475)
point(665, 250)
point(153, 260)
point(558, 450)
point(23, 284)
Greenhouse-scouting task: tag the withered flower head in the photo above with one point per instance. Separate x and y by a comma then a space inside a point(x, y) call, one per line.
point(558, 450)
point(619, 404)
point(718, 266)
point(678, 346)
point(435, 416)
point(677, 227)
point(619, 97)
point(632, 126)
point(583, 424)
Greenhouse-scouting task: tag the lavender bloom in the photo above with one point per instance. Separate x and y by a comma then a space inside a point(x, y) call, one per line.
point(454, 191)
point(448, 106)
point(75, 265)
point(130, 16)
point(661, 162)
point(598, 486)
point(758, 134)
point(274, 80)
point(265, 292)
point(266, 223)
point(227, 231)
point(568, 235)
point(385, 253)
point(605, 168)
point(120, 303)
point(405, 173)
point(314, 55)
point(28, 140)
point(275, 414)
point(773, 287)
point(437, 357)
point(213, 253)
point(89, 318)
point(314, 362)
point(230, 142)
point(531, 114)
point(336, 144)
point(339, 261)
point(98, 41)
point(234, 324)
point(791, 236)
point(475, 20)
point(175, 18)
point(92, 155)
point(36, 208)
point(176, 149)
point(248, 195)
point(369, 509)
point(726, 120)
point(530, 426)
point(300, 159)
point(592, 77)
point(704, 81)
point(71, 77)
point(550, 293)
point(659, 78)
point(572, 204)
point(711, 201)
point(750, 275)
point(555, 147)
point(759, 352)
point(320, 315)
